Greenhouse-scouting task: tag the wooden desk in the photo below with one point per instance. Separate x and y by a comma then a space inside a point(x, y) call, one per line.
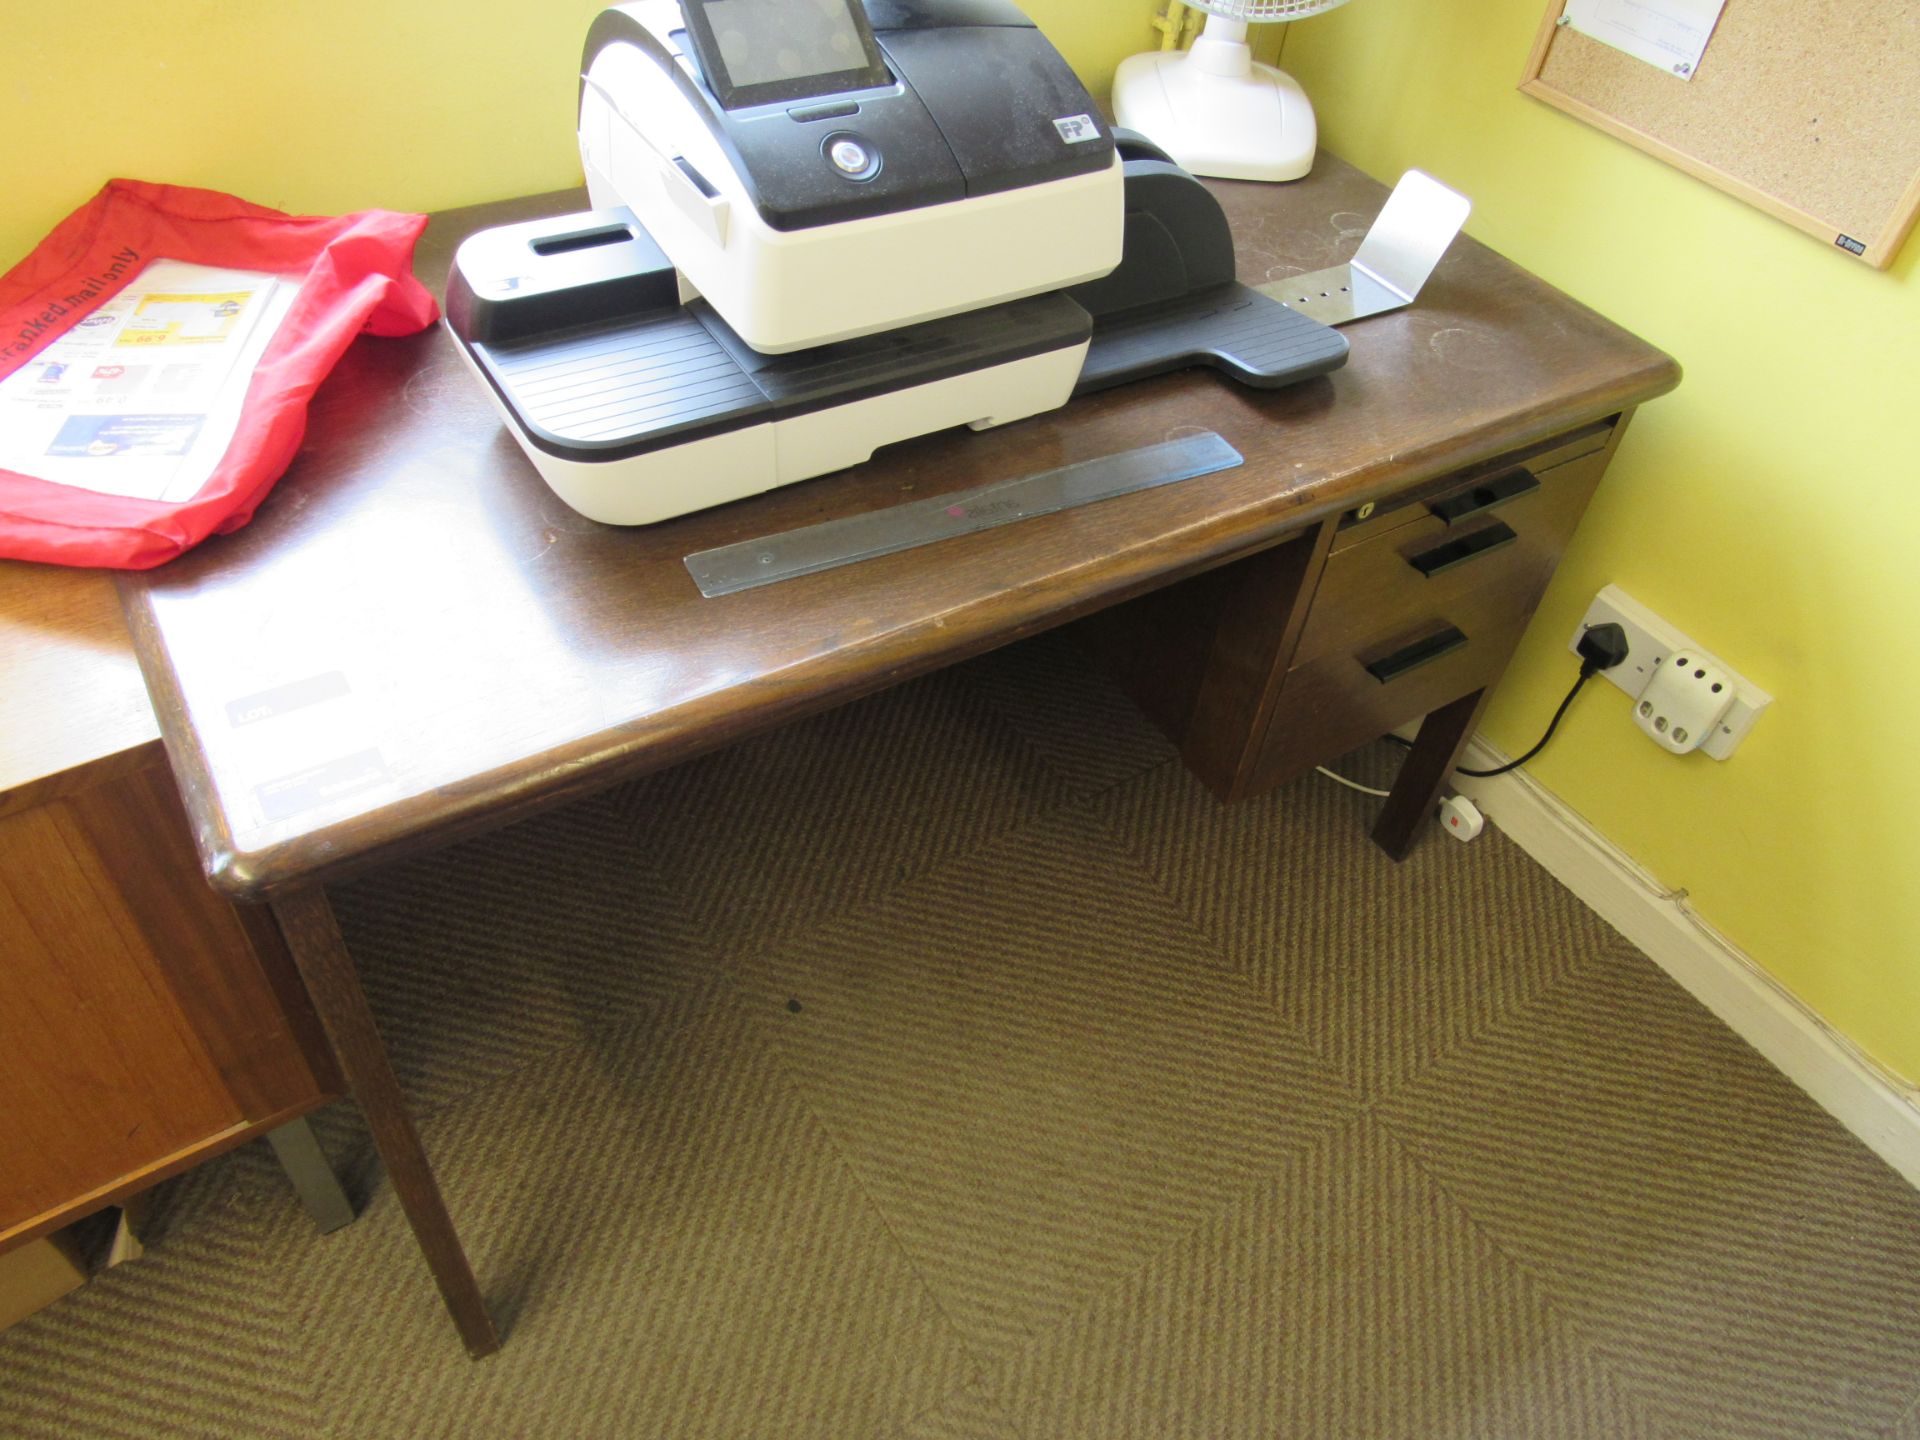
point(415, 640)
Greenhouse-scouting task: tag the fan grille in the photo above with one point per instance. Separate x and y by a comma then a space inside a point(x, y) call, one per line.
point(1255, 11)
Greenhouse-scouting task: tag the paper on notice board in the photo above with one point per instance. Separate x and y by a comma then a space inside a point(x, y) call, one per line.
point(142, 397)
point(1672, 34)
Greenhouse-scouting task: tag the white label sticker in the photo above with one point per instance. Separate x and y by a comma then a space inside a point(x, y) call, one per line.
point(1075, 128)
point(1672, 34)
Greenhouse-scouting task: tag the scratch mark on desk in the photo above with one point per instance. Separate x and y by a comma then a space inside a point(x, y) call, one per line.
point(427, 392)
point(551, 538)
point(1457, 345)
point(1307, 248)
point(1349, 224)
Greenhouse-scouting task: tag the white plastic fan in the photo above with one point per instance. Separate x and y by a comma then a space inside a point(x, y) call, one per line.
point(1212, 108)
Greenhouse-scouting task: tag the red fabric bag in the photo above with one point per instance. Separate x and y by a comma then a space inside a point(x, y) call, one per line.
point(355, 272)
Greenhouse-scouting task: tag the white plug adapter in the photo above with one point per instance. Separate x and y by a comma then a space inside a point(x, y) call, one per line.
point(1683, 702)
point(1461, 817)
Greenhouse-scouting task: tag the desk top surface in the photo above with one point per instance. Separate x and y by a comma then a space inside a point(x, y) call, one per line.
point(70, 691)
point(416, 639)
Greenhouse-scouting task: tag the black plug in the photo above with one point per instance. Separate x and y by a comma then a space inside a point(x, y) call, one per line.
point(1601, 647)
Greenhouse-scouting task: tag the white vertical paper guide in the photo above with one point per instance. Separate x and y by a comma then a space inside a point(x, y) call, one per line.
point(143, 396)
point(1671, 34)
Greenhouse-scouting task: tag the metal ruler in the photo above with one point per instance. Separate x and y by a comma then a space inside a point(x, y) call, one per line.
point(751, 563)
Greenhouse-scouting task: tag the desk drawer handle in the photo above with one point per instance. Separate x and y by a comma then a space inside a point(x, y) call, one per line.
point(1411, 657)
point(1457, 552)
point(1484, 496)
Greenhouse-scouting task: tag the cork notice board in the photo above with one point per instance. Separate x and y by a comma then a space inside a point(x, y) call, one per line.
point(1808, 109)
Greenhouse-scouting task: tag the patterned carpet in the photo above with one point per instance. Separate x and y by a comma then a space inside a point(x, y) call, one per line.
point(952, 1067)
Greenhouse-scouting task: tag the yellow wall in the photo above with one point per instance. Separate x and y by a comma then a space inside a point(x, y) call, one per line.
point(1770, 507)
point(406, 104)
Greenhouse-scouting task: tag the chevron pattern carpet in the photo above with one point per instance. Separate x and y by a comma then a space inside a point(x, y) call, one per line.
point(952, 1067)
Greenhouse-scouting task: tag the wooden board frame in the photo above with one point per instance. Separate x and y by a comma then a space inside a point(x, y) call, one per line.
point(1891, 223)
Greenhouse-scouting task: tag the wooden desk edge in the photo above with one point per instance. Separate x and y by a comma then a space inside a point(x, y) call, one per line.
point(72, 706)
point(111, 766)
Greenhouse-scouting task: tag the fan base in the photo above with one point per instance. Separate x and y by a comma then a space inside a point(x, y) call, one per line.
point(1257, 126)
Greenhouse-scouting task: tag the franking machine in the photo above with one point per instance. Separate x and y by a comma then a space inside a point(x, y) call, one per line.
point(821, 226)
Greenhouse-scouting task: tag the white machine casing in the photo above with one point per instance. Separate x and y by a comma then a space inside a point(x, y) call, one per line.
point(711, 470)
point(785, 290)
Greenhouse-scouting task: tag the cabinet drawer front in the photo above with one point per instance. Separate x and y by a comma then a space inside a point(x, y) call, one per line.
point(1351, 696)
point(1411, 505)
point(1417, 570)
point(141, 1027)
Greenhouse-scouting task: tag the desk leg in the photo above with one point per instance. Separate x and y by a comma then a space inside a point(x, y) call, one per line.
point(306, 919)
point(1436, 750)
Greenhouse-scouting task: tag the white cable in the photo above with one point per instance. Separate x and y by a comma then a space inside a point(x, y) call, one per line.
point(1352, 784)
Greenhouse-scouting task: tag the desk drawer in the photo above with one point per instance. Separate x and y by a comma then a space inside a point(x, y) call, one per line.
point(1411, 504)
point(1351, 695)
point(1508, 533)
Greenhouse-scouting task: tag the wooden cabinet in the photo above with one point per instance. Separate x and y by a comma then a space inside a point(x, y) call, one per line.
point(145, 1023)
point(1361, 623)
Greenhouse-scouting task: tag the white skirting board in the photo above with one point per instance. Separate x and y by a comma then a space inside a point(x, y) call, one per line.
point(1876, 1105)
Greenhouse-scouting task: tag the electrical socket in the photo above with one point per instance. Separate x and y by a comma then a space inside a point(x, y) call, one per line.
point(1650, 641)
